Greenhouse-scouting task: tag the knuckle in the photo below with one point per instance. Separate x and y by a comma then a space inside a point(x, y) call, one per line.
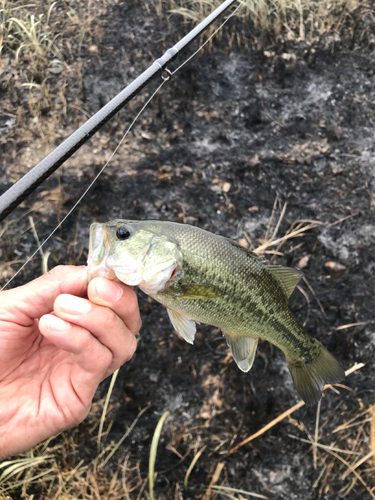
point(56, 271)
point(84, 340)
point(105, 360)
point(109, 319)
point(138, 325)
point(132, 303)
point(131, 312)
point(79, 416)
point(131, 348)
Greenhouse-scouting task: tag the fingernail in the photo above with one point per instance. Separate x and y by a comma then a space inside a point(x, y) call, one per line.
point(53, 323)
point(74, 305)
point(108, 291)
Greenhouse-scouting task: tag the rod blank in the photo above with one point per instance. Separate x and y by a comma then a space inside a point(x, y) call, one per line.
point(30, 181)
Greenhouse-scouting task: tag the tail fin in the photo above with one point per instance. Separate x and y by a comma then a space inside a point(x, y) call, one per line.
point(310, 378)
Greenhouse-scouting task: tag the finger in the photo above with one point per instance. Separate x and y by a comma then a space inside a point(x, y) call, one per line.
point(102, 322)
point(120, 298)
point(91, 358)
point(20, 309)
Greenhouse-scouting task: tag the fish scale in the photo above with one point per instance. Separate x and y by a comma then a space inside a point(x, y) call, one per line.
point(206, 278)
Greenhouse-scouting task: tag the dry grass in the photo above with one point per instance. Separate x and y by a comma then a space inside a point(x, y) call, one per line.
point(40, 46)
point(272, 20)
point(29, 36)
point(30, 50)
point(343, 453)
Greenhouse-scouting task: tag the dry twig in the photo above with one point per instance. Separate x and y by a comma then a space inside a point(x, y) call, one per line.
point(281, 417)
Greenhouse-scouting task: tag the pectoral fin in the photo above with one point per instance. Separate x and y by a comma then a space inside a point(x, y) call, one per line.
point(184, 326)
point(196, 291)
point(243, 350)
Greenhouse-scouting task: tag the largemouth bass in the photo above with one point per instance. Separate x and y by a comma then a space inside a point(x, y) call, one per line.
point(204, 278)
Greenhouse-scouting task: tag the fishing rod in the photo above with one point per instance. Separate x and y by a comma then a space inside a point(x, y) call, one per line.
point(30, 181)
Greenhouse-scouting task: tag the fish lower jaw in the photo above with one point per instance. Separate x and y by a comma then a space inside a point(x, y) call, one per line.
point(129, 278)
point(150, 288)
point(99, 272)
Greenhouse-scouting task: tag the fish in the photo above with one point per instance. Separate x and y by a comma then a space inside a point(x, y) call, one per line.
point(201, 277)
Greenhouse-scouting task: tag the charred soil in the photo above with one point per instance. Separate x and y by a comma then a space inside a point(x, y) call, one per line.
point(239, 139)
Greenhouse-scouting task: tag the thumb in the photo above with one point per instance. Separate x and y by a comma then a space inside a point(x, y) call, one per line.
point(37, 297)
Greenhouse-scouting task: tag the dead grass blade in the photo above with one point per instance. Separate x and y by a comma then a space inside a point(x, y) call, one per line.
point(353, 423)
point(289, 235)
point(342, 220)
point(22, 483)
point(44, 256)
point(13, 467)
point(241, 492)
point(353, 471)
point(269, 227)
point(357, 464)
point(315, 296)
point(279, 221)
point(126, 434)
point(105, 407)
point(281, 417)
point(350, 325)
point(214, 480)
point(372, 435)
point(191, 466)
point(324, 446)
point(316, 435)
point(333, 451)
point(268, 426)
point(153, 450)
point(354, 368)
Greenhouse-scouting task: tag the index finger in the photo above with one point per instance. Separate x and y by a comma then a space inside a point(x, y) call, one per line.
point(121, 298)
point(30, 301)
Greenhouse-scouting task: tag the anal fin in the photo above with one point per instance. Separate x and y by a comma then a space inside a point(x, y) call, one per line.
point(186, 327)
point(243, 350)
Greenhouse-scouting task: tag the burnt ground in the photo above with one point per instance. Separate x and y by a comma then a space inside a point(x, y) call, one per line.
point(234, 130)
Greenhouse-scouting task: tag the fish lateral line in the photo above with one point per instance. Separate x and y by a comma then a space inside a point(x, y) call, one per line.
point(196, 291)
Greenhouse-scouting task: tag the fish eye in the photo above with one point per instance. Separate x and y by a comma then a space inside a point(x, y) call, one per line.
point(122, 233)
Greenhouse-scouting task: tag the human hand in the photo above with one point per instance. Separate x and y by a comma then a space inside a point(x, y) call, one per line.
point(59, 338)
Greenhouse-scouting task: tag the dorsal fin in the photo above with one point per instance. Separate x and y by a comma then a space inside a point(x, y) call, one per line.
point(287, 277)
point(248, 252)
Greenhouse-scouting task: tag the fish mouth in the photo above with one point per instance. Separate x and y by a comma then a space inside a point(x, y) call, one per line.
point(99, 247)
point(143, 264)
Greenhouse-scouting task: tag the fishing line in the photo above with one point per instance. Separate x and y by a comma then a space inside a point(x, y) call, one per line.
point(241, 3)
point(14, 195)
point(165, 80)
point(89, 187)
